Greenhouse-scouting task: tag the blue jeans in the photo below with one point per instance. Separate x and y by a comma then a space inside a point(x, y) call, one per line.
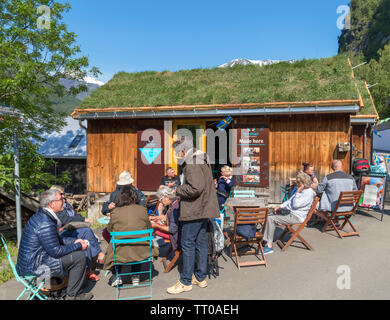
point(85, 234)
point(194, 248)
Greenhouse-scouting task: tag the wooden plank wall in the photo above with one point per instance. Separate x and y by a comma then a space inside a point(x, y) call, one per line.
point(293, 139)
point(302, 138)
point(111, 149)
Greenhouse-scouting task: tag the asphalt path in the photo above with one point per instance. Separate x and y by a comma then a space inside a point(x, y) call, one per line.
point(337, 269)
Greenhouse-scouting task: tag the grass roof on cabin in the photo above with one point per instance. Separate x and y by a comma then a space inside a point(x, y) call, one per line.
point(305, 80)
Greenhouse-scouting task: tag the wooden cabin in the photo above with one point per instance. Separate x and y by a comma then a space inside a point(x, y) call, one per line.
point(134, 119)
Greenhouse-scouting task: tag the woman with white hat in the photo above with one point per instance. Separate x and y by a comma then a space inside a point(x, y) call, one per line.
point(125, 179)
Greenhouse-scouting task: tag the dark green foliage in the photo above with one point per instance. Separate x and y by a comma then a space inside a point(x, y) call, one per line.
point(367, 41)
point(32, 61)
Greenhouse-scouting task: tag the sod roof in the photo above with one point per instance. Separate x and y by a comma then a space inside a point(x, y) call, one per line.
point(302, 81)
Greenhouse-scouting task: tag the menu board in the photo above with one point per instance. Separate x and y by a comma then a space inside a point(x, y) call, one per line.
point(374, 190)
point(253, 152)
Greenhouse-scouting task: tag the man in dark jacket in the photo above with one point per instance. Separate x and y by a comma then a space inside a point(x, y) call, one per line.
point(198, 204)
point(42, 252)
point(69, 215)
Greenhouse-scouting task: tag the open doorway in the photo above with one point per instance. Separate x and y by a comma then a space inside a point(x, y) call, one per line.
point(222, 148)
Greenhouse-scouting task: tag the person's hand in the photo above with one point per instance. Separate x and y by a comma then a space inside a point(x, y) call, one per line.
point(276, 209)
point(88, 220)
point(61, 229)
point(161, 217)
point(111, 206)
point(84, 245)
point(171, 184)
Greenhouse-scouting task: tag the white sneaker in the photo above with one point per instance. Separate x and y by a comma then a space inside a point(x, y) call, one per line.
point(135, 280)
point(117, 282)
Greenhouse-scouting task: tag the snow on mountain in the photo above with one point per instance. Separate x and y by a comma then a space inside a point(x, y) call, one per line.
point(260, 63)
point(90, 82)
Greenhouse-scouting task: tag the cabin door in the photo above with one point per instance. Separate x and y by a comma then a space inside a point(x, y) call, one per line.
point(193, 129)
point(150, 159)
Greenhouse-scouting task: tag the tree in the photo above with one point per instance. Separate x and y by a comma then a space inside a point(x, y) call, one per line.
point(378, 72)
point(36, 51)
point(368, 41)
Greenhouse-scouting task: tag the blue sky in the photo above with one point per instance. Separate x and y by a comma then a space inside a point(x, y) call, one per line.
point(132, 36)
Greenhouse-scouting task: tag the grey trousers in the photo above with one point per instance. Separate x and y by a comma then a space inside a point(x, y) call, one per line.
point(74, 264)
point(274, 220)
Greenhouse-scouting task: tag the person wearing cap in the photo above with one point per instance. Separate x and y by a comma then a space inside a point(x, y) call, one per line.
point(125, 179)
point(198, 204)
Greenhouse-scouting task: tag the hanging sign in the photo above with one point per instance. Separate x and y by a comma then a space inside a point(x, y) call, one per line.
point(253, 152)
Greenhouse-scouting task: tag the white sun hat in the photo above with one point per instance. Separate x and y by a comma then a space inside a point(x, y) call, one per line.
point(125, 178)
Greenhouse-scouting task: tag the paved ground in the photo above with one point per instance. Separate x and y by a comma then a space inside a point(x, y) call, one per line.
point(294, 274)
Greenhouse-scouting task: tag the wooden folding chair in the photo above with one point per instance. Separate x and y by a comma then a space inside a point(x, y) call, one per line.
point(249, 216)
point(350, 198)
point(295, 233)
point(150, 201)
point(168, 267)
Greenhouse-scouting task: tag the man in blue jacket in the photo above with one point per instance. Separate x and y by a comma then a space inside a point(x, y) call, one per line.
point(42, 252)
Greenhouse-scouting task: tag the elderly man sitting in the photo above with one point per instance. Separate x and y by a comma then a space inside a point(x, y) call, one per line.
point(43, 253)
point(332, 185)
point(292, 211)
point(69, 215)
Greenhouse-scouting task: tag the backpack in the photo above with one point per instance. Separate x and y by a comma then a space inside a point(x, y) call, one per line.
point(246, 230)
point(214, 235)
point(361, 167)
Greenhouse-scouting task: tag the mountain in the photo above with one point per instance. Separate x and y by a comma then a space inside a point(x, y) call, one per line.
point(90, 82)
point(368, 40)
point(68, 103)
point(369, 30)
point(257, 62)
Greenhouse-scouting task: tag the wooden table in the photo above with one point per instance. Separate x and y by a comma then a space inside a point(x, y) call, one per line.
point(243, 203)
point(246, 203)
